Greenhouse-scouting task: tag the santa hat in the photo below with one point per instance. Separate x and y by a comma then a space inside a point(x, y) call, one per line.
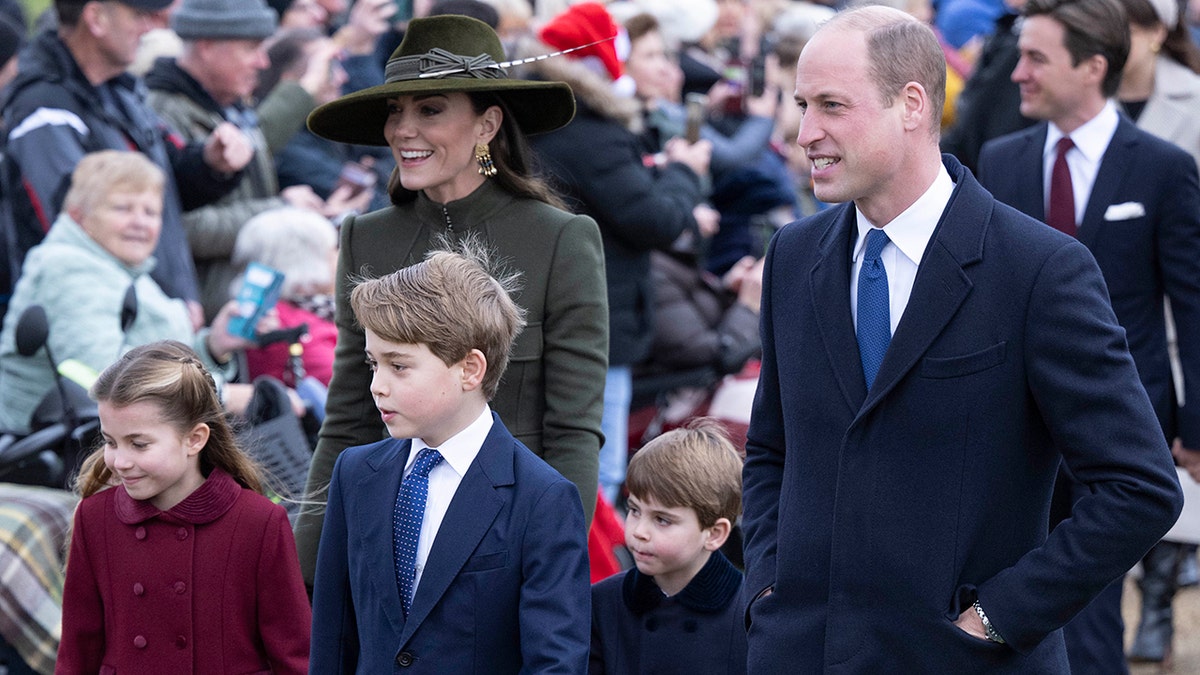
point(585, 23)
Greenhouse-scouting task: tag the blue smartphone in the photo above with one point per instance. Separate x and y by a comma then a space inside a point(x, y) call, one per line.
point(258, 294)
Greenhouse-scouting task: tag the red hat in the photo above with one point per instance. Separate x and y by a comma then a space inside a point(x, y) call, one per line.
point(582, 24)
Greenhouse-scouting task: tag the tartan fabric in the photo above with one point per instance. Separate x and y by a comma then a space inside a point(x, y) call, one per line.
point(34, 532)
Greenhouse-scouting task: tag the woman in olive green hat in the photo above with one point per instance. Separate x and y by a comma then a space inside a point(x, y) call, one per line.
point(456, 124)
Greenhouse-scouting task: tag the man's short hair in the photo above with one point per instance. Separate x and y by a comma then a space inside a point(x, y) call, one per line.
point(900, 49)
point(98, 174)
point(448, 302)
point(1092, 27)
point(693, 467)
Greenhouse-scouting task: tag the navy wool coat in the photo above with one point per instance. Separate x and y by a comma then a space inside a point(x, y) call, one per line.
point(877, 517)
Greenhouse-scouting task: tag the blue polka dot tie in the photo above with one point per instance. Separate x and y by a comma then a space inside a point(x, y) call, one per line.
point(874, 315)
point(406, 522)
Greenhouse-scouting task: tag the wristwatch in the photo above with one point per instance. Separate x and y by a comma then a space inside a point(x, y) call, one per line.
point(992, 635)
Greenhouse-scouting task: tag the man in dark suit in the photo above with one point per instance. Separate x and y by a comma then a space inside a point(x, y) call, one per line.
point(1134, 201)
point(929, 358)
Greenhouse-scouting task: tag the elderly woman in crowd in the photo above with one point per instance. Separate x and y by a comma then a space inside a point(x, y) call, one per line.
point(302, 244)
point(100, 245)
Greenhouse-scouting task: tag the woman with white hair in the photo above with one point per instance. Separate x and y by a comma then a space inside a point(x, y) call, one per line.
point(302, 244)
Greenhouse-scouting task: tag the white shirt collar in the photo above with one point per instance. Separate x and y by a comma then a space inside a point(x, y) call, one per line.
point(460, 449)
point(913, 228)
point(1091, 139)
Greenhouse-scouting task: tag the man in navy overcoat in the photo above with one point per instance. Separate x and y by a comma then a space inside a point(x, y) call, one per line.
point(896, 511)
point(1136, 206)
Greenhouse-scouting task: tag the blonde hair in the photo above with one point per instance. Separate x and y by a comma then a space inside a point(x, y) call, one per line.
point(694, 467)
point(294, 241)
point(448, 302)
point(170, 375)
point(99, 173)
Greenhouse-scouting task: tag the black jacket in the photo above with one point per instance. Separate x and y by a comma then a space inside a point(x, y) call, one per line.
point(596, 163)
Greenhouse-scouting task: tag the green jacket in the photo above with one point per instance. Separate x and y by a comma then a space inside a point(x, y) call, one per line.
point(551, 397)
point(212, 230)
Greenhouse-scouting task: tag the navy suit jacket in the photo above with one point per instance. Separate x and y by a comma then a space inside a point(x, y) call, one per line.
point(1144, 257)
point(505, 588)
point(877, 517)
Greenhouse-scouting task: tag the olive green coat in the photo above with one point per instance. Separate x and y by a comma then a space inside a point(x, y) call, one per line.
point(552, 394)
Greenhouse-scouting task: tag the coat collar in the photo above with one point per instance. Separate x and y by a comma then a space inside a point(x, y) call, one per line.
point(210, 501)
point(940, 287)
point(709, 592)
point(464, 214)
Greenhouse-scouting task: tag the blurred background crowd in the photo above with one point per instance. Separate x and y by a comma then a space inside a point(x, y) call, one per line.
point(214, 95)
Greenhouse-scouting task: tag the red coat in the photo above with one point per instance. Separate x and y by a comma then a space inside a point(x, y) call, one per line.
point(211, 586)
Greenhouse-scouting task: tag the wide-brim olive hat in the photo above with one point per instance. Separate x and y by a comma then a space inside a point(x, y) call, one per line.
point(443, 54)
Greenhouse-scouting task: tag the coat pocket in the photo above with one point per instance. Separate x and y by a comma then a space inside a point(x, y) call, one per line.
point(958, 366)
point(485, 562)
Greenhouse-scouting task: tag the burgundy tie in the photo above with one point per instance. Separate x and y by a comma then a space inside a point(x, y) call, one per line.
point(1062, 195)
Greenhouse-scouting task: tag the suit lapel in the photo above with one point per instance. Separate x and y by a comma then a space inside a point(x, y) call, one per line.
point(941, 285)
point(1030, 193)
point(1114, 167)
point(830, 288)
point(377, 490)
point(468, 519)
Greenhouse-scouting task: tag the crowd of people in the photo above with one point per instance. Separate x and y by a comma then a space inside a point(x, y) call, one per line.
point(528, 246)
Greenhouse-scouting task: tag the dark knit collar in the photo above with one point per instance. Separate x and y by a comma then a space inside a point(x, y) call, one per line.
point(709, 592)
point(210, 501)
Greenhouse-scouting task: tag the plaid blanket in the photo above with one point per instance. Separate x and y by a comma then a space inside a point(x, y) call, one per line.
point(34, 525)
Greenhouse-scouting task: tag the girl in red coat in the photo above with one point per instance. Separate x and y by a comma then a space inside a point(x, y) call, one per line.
point(177, 563)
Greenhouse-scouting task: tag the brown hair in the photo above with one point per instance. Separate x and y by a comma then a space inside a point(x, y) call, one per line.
point(1178, 44)
point(695, 467)
point(169, 374)
point(448, 302)
point(100, 173)
point(900, 49)
point(510, 153)
point(1093, 28)
point(638, 25)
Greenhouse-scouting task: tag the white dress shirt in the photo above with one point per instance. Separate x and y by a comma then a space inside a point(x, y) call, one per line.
point(458, 452)
point(1091, 140)
point(909, 233)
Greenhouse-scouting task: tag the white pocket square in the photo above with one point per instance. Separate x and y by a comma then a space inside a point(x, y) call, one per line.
point(1125, 211)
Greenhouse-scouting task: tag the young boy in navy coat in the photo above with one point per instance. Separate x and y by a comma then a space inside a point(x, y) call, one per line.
point(676, 612)
point(449, 548)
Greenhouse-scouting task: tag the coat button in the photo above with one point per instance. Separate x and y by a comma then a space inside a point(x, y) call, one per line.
point(140, 533)
point(181, 533)
point(180, 587)
point(404, 659)
point(181, 642)
point(139, 589)
point(139, 642)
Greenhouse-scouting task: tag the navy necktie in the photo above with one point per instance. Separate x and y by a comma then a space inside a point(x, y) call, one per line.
point(1061, 215)
point(406, 522)
point(874, 314)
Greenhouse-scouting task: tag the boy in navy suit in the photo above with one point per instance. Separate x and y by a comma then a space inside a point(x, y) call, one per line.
point(677, 611)
point(449, 548)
